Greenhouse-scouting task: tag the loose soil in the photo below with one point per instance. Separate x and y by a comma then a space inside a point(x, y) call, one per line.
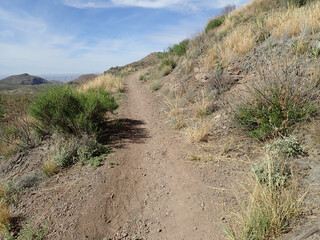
point(147, 189)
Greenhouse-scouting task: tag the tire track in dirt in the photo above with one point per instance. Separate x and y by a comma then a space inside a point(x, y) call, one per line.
point(154, 193)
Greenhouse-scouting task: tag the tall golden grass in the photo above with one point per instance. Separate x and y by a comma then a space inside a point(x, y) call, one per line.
point(295, 21)
point(108, 82)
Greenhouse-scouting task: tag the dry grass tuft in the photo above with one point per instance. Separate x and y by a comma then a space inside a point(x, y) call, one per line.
point(201, 106)
point(50, 168)
point(4, 217)
point(241, 40)
point(198, 133)
point(295, 21)
point(267, 210)
point(107, 82)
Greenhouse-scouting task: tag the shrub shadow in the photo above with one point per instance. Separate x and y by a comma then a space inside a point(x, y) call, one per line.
point(121, 131)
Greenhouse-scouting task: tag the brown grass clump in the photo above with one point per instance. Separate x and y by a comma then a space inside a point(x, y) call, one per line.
point(107, 82)
point(4, 218)
point(198, 133)
point(201, 106)
point(295, 21)
point(268, 208)
point(241, 40)
point(50, 168)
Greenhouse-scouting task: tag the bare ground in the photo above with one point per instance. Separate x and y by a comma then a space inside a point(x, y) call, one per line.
point(146, 190)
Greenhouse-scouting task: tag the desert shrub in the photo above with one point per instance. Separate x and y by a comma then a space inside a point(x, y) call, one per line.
point(15, 126)
point(50, 167)
point(298, 3)
point(144, 76)
point(214, 23)
point(166, 70)
point(179, 49)
point(32, 232)
point(156, 85)
point(285, 148)
point(277, 101)
point(270, 205)
point(167, 62)
point(86, 150)
point(64, 110)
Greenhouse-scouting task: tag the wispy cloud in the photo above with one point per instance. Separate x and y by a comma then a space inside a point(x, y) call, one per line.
point(170, 4)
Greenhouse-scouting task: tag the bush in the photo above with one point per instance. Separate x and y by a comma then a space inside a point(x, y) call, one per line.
point(298, 3)
point(64, 110)
point(179, 49)
point(277, 101)
point(167, 62)
point(15, 126)
point(214, 23)
point(85, 151)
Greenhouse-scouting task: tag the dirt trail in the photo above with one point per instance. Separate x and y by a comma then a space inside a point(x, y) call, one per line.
point(154, 193)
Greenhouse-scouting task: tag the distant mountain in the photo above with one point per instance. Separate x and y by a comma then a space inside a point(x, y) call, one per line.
point(26, 79)
point(83, 78)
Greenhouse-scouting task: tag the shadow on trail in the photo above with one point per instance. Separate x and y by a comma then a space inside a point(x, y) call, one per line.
point(121, 131)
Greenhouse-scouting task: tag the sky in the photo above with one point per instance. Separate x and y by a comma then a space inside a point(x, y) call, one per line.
point(90, 36)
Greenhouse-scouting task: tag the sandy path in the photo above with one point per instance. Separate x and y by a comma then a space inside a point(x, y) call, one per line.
point(154, 193)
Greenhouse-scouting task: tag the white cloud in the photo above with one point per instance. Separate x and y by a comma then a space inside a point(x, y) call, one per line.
point(171, 4)
point(28, 44)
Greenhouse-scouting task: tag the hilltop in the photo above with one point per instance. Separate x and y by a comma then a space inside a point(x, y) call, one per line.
point(25, 83)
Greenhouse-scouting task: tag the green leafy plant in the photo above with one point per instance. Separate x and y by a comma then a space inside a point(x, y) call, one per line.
point(85, 151)
point(276, 102)
point(64, 110)
point(285, 148)
point(179, 49)
point(31, 232)
point(214, 23)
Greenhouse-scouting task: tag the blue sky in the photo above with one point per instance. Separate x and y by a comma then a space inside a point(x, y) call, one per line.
point(90, 36)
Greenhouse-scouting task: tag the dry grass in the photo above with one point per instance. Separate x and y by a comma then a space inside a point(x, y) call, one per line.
point(201, 106)
point(267, 209)
point(241, 40)
point(198, 132)
point(108, 82)
point(4, 215)
point(174, 107)
point(175, 111)
point(295, 21)
point(50, 168)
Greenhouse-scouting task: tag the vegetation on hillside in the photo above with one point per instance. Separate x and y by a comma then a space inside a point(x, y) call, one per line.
point(72, 117)
point(275, 43)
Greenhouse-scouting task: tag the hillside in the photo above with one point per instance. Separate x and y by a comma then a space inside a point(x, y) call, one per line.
point(83, 79)
point(25, 83)
point(24, 79)
point(217, 137)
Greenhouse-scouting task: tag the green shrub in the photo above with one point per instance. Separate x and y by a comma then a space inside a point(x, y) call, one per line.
point(64, 110)
point(85, 150)
point(298, 3)
point(277, 101)
point(214, 23)
point(285, 148)
point(167, 62)
point(179, 49)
